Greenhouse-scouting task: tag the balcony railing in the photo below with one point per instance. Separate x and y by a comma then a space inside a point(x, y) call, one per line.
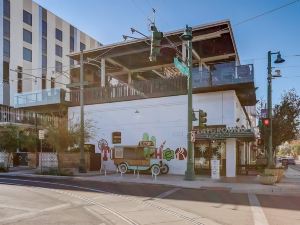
point(11, 115)
point(41, 97)
point(222, 75)
point(137, 90)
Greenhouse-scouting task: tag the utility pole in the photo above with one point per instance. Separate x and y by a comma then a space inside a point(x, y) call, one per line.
point(82, 168)
point(190, 171)
point(270, 77)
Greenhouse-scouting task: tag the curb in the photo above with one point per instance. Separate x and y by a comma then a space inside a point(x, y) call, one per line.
point(217, 186)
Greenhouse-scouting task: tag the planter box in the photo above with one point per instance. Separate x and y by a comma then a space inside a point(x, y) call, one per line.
point(276, 172)
point(267, 180)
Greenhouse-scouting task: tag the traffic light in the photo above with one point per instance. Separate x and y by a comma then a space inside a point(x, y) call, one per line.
point(155, 43)
point(266, 122)
point(202, 119)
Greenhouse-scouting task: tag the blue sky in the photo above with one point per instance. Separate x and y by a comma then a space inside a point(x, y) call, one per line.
point(108, 20)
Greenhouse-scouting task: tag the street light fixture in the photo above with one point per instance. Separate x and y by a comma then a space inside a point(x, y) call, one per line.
point(270, 77)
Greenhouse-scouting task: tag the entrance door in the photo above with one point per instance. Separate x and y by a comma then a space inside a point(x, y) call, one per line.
point(206, 150)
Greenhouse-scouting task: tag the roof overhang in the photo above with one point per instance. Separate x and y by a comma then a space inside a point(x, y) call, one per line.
point(212, 43)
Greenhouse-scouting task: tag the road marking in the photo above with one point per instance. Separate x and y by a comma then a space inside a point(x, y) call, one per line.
point(17, 208)
point(32, 214)
point(167, 193)
point(257, 211)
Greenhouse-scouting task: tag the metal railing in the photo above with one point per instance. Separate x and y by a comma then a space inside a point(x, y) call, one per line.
point(41, 97)
point(11, 115)
point(223, 74)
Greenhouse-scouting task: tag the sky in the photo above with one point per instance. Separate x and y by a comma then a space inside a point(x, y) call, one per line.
point(108, 20)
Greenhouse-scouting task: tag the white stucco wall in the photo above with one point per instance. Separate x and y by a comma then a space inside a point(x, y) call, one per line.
point(165, 118)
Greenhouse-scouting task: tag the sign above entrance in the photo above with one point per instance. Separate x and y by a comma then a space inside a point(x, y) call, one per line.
point(225, 132)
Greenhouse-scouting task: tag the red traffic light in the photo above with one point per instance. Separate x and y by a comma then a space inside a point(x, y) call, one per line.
point(266, 122)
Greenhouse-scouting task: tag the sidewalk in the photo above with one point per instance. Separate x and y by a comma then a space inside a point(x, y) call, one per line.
point(290, 185)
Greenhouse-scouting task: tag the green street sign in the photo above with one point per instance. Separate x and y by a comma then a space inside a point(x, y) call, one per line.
point(181, 67)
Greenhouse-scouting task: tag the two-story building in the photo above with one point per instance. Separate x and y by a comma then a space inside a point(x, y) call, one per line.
point(133, 98)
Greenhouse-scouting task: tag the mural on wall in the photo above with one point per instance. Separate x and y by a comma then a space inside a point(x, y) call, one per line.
point(161, 153)
point(181, 153)
point(104, 148)
point(168, 154)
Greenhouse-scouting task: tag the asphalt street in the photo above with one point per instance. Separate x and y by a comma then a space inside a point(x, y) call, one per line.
point(33, 201)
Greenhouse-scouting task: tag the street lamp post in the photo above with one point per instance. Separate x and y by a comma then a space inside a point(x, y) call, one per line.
point(190, 172)
point(270, 77)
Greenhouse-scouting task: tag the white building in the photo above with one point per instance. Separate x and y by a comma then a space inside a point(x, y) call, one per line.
point(35, 45)
point(150, 102)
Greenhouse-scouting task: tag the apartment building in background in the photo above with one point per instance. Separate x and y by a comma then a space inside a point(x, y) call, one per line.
point(35, 45)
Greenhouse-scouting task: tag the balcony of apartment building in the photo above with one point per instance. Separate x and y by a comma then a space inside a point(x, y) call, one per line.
point(41, 100)
point(26, 119)
point(123, 71)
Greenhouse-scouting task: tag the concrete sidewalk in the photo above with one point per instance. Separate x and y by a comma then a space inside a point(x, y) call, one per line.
point(290, 185)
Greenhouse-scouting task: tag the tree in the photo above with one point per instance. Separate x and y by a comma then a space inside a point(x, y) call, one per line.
point(286, 118)
point(66, 134)
point(9, 141)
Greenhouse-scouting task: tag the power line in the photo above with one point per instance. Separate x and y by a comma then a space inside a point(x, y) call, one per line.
point(266, 13)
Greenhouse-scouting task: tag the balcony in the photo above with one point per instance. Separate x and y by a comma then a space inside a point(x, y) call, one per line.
point(45, 97)
point(9, 115)
point(136, 90)
point(223, 77)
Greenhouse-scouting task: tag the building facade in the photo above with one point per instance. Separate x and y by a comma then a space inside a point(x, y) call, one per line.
point(35, 44)
point(149, 102)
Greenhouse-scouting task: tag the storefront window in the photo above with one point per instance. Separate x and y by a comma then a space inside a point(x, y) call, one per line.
point(206, 151)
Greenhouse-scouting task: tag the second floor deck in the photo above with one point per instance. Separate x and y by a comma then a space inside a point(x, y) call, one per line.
point(222, 78)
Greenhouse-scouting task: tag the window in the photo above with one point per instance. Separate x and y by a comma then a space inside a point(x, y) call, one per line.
point(58, 50)
point(72, 63)
point(58, 34)
point(44, 46)
point(52, 82)
point(27, 36)
point(6, 48)
point(44, 28)
point(6, 28)
point(71, 44)
point(82, 46)
point(20, 80)
point(27, 17)
point(44, 62)
point(27, 54)
point(58, 66)
point(6, 8)
point(44, 80)
point(5, 72)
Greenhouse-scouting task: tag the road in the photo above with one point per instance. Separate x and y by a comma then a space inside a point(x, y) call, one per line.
point(35, 201)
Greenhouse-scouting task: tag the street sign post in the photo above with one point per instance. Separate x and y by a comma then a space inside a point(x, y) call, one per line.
point(181, 67)
point(41, 137)
point(41, 134)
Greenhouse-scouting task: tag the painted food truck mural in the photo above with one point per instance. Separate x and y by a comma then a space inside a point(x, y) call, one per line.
point(144, 156)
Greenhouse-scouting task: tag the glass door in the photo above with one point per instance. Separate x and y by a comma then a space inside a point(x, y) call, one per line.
point(206, 151)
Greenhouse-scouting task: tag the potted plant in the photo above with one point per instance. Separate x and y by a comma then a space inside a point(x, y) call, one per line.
point(267, 178)
point(276, 171)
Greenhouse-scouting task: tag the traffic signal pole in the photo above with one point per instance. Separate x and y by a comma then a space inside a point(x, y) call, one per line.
point(190, 171)
point(82, 168)
point(270, 133)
